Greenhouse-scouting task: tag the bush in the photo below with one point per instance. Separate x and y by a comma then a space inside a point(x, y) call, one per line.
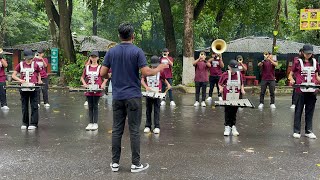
point(73, 71)
point(282, 82)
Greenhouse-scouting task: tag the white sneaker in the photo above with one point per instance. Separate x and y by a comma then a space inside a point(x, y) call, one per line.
point(260, 106)
point(272, 106)
point(196, 104)
point(139, 168)
point(311, 136)
point(220, 98)
point(156, 130)
point(23, 127)
point(47, 105)
point(203, 104)
point(85, 103)
point(234, 131)
point(89, 127)
point(209, 99)
point(292, 106)
point(32, 127)
point(94, 126)
point(163, 103)
point(146, 130)
point(296, 135)
point(114, 167)
point(5, 108)
point(227, 130)
point(172, 103)
point(38, 105)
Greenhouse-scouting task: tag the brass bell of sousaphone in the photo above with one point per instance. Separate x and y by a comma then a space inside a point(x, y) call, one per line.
point(1, 50)
point(219, 46)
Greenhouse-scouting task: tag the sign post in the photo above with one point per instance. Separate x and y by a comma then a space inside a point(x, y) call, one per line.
point(54, 60)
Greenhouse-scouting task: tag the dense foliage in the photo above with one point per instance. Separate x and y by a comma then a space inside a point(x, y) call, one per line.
point(27, 21)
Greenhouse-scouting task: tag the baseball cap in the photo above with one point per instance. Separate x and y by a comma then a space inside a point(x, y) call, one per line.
point(308, 49)
point(40, 50)
point(234, 65)
point(94, 53)
point(154, 61)
point(165, 50)
point(239, 57)
point(28, 54)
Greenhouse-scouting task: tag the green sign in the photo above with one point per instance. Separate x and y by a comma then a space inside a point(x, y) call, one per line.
point(54, 60)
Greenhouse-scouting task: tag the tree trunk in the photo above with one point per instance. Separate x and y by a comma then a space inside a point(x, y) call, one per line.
point(276, 26)
point(220, 15)
point(167, 19)
point(66, 42)
point(52, 25)
point(94, 18)
point(198, 9)
point(188, 53)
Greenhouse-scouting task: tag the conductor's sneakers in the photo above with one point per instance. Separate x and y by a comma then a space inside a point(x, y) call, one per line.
point(32, 127)
point(296, 135)
point(139, 168)
point(292, 106)
point(311, 135)
point(234, 131)
point(227, 131)
point(114, 167)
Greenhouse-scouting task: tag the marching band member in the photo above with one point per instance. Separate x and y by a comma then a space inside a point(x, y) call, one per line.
point(3, 93)
point(166, 59)
point(43, 63)
point(268, 79)
point(242, 67)
point(215, 74)
point(201, 78)
point(305, 71)
point(28, 68)
point(92, 70)
point(153, 84)
point(231, 85)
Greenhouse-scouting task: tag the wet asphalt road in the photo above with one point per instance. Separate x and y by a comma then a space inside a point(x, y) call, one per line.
point(191, 144)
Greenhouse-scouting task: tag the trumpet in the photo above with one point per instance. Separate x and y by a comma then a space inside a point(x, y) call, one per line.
point(219, 46)
point(265, 54)
point(202, 55)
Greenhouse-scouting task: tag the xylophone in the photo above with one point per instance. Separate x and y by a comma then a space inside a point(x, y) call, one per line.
point(307, 86)
point(154, 95)
point(91, 88)
point(239, 103)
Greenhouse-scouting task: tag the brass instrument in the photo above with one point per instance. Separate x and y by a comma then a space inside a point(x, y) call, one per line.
point(219, 46)
point(1, 50)
point(202, 55)
point(265, 54)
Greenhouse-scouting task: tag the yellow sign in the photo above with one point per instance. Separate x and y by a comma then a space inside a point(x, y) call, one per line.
point(309, 19)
